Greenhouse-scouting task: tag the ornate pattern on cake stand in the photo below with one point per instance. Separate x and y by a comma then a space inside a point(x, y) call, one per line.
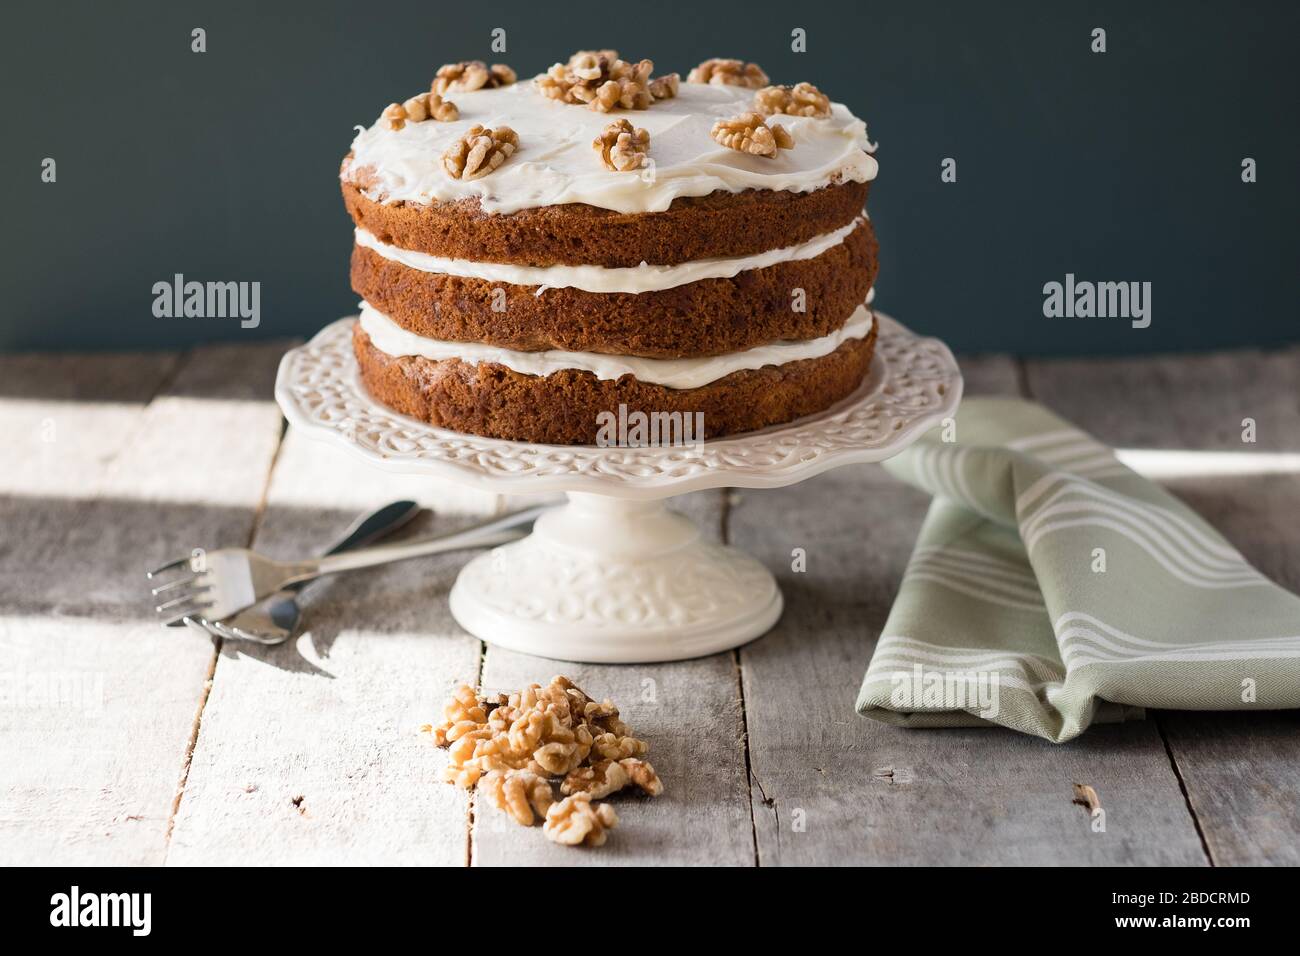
point(614, 575)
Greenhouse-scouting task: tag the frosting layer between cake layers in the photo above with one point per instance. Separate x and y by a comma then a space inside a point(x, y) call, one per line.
point(393, 340)
point(592, 278)
point(565, 407)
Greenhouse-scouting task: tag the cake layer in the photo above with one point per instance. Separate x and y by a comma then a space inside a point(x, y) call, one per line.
point(554, 163)
point(678, 373)
point(564, 407)
point(640, 278)
point(704, 317)
point(716, 226)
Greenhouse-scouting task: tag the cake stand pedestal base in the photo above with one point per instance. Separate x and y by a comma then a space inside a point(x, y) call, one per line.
point(612, 580)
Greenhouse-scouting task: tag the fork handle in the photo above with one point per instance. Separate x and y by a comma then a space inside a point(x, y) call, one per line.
point(490, 533)
point(379, 523)
point(368, 529)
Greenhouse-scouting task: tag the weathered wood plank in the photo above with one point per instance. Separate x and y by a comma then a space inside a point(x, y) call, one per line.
point(1184, 401)
point(1241, 770)
point(831, 787)
point(989, 374)
point(64, 417)
point(689, 712)
point(310, 753)
point(92, 758)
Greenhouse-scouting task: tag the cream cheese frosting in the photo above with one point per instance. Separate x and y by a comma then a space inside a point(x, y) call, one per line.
point(642, 278)
point(390, 338)
point(556, 164)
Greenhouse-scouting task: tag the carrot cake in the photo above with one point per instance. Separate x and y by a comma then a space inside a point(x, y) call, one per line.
point(532, 254)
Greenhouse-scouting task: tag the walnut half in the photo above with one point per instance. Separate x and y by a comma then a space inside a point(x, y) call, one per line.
point(576, 820)
point(802, 99)
point(605, 777)
point(597, 781)
point(614, 747)
point(723, 72)
point(465, 710)
point(423, 106)
point(479, 152)
point(748, 133)
point(394, 115)
point(431, 106)
point(524, 795)
point(665, 87)
point(470, 75)
point(640, 773)
point(621, 148)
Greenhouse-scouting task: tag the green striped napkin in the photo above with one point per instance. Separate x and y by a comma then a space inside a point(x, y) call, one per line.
point(1052, 587)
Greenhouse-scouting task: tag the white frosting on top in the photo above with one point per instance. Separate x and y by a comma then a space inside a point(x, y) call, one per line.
point(556, 164)
point(642, 278)
point(387, 336)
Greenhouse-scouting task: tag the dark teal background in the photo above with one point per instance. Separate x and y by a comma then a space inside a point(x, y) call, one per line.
point(223, 165)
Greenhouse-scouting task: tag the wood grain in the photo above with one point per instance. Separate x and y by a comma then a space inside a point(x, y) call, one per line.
point(310, 752)
point(1241, 770)
point(93, 754)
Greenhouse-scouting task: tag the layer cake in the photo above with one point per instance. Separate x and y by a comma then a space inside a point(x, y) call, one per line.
point(532, 254)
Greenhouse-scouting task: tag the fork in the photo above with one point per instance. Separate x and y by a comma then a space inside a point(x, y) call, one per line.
point(274, 619)
point(224, 582)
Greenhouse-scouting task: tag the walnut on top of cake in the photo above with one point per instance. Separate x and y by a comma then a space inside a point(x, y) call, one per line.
point(722, 127)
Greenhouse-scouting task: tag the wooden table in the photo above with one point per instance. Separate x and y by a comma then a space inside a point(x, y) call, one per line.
point(121, 742)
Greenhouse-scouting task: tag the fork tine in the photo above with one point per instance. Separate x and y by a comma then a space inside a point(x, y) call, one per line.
point(170, 585)
point(179, 619)
point(185, 598)
point(170, 566)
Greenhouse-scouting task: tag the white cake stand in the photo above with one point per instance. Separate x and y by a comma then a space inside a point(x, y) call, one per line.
point(614, 575)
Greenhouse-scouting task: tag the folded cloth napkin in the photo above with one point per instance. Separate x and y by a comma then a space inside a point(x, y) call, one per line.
point(1052, 587)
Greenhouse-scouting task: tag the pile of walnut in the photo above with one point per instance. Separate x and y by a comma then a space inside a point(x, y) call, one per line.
point(513, 747)
point(600, 80)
